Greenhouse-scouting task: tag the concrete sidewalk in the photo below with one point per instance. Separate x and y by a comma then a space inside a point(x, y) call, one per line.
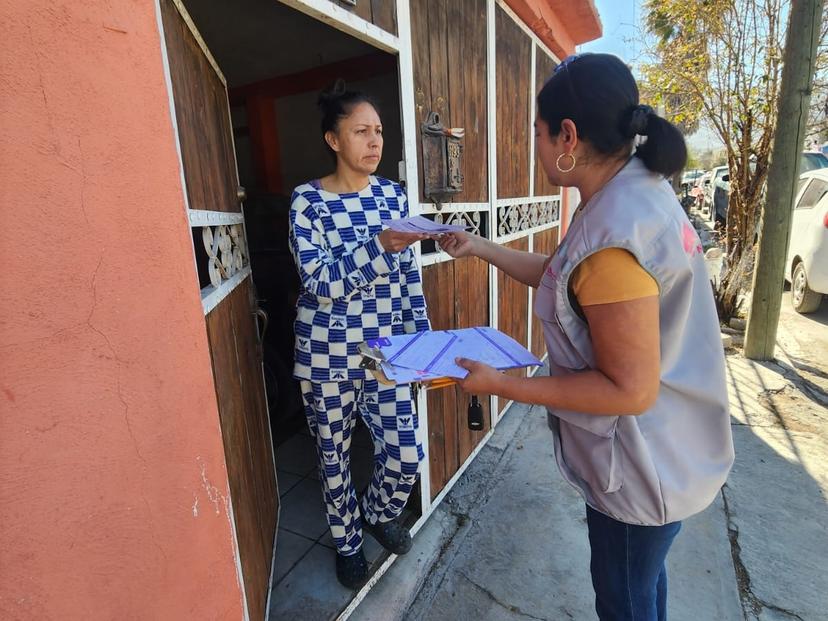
point(510, 542)
point(513, 545)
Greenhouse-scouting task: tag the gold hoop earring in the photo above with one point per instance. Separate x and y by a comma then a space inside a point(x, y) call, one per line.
point(558, 163)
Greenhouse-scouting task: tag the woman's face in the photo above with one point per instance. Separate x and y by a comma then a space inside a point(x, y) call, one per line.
point(357, 140)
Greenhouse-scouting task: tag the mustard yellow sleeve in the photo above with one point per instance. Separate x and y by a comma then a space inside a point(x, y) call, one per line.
point(611, 275)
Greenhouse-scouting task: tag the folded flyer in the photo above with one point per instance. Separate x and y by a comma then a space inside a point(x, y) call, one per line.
point(430, 355)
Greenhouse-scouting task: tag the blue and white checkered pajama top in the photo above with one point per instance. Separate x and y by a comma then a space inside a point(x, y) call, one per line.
point(352, 290)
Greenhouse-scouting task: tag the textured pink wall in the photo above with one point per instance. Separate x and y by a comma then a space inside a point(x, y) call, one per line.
point(113, 489)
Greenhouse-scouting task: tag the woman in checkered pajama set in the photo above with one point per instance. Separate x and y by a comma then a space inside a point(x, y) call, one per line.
point(358, 283)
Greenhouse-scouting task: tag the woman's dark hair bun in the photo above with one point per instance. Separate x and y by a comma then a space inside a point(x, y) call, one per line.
point(331, 93)
point(636, 121)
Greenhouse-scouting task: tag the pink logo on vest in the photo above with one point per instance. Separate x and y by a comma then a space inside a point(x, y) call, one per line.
point(691, 241)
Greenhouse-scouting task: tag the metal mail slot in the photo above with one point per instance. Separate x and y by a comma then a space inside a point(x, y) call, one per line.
point(442, 159)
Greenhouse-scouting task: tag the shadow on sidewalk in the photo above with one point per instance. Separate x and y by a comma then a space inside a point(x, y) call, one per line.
point(775, 499)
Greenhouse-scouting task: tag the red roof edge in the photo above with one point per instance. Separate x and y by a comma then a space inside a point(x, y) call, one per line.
point(560, 24)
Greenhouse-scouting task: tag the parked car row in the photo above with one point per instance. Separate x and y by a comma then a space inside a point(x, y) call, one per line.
point(711, 189)
point(806, 266)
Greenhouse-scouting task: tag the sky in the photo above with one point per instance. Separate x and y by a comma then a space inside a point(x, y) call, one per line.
point(621, 20)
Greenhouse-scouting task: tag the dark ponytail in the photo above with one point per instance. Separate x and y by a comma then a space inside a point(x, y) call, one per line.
point(664, 151)
point(598, 93)
point(337, 102)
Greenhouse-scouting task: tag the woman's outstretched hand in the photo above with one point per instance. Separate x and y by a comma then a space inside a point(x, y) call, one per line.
point(394, 241)
point(460, 244)
point(482, 379)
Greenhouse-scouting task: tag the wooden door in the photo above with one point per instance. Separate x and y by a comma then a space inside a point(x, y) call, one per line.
point(214, 207)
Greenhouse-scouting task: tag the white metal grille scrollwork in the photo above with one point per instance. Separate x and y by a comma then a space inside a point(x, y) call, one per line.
point(226, 251)
point(522, 217)
point(470, 219)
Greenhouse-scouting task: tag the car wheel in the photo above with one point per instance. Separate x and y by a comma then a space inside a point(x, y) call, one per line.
point(804, 300)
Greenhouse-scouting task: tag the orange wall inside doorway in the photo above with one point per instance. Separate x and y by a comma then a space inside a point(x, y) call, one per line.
point(113, 490)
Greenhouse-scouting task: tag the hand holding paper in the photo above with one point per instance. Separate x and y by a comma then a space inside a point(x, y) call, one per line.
point(461, 244)
point(395, 241)
point(422, 226)
point(482, 379)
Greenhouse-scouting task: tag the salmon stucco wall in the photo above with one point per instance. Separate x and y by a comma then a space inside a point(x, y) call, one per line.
point(113, 489)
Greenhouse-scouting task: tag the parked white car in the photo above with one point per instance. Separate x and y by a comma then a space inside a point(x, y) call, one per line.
point(812, 160)
point(807, 261)
point(690, 177)
point(715, 178)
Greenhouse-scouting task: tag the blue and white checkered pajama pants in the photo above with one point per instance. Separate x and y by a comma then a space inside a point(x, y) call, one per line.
point(390, 416)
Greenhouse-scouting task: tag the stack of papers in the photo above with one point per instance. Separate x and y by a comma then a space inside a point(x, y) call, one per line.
point(421, 225)
point(430, 355)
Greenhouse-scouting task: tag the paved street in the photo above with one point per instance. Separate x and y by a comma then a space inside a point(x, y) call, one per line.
point(804, 340)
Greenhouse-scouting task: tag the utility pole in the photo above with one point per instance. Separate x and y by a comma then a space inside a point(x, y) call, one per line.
point(799, 61)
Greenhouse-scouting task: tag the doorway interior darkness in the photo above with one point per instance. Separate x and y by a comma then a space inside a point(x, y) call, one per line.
point(276, 60)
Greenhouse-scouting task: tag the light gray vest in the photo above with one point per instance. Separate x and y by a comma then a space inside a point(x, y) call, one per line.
point(669, 462)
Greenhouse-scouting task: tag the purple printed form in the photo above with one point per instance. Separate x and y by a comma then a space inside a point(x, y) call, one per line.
point(425, 356)
point(421, 225)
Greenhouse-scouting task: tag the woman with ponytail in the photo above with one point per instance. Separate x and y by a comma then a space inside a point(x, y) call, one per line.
point(359, 282)
point(636, 393)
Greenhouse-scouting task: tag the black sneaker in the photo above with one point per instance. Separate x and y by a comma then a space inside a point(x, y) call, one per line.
point(390, 535)
point(352, 571)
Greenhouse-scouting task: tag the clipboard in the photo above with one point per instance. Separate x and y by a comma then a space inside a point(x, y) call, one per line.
point(427, 357)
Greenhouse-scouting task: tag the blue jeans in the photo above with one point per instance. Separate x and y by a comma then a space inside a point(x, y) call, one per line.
point(627, 565)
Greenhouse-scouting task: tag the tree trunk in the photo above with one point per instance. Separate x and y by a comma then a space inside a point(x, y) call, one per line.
point(799, 61)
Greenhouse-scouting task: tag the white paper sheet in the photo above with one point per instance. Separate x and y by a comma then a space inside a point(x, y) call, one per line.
point(419, 224)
